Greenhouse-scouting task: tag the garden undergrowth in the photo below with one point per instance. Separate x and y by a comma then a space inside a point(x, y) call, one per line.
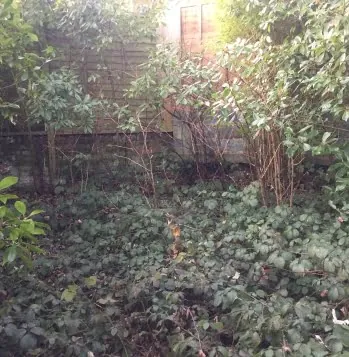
point(209, 272)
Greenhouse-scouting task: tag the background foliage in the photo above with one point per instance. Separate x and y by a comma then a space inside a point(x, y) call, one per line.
point(235, 19)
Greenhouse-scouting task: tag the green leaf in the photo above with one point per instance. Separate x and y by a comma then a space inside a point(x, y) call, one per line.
point(35, 212)
point(3, 211)
point(33, 37)
point(8, 182)
point(11, 330)
point(333, 294)
point(325, 137)
point(180, 257)
point(306, 147)
point(38, 331)
point(218, 326)
point(269, 353)
point(336, 346)
point(6, 197)
point(345, 116)
point(20, 207)
point(8, 3)
point(91, 281)
point(205, 325)
point(211, 204)
point(38, 231)
point(24, 76)
point(28, 342)
point(279, 262)
point(342, 333)
point(10, 254)
point(69, 293)
point(114, 331)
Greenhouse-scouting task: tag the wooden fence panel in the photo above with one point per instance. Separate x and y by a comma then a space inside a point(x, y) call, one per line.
point(114, 68)
point(197, 25)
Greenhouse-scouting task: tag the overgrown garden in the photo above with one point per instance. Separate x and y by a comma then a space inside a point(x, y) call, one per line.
point(171, 255)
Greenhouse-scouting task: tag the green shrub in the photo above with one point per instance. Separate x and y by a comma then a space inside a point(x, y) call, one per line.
point(18, 229)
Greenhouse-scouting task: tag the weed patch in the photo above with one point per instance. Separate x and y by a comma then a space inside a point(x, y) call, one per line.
point(208, 273)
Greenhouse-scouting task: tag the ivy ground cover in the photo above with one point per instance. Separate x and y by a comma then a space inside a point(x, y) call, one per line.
point(209, 272)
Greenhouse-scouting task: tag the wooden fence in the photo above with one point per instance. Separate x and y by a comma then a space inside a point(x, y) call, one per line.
point(107, 74)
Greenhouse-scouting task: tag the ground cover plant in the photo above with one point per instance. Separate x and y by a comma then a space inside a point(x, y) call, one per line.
point(210, 272)
point(150, 268)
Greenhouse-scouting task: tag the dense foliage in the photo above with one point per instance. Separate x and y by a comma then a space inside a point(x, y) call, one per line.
point(59, 101)
point(34, 90)
point(209, 273)
point(18, 228)
point(185, 87)
point(291, 86)
point(19, 60)
point(234, 19)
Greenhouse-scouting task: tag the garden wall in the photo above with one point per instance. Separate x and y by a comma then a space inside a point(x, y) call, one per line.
point(102, 152)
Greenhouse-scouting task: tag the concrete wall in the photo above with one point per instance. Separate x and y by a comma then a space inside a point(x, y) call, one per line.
point(222, 142)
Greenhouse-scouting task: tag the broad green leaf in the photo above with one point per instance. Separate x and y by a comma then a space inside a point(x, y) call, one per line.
point(180, 257)
point(10, 254)
point(4, 198)
point(20, 207)
point(11, 330)
point(342, 333)
point(336, 346)
point(90, 281)
point(3, 211)
point(33, 37)
point(8, 182)
point(205, 325)
point(269, 353)
point(28, 342)
point(35, 212)
point(279, 262)
point(35, 249)
point(38, 231)
point(14, 234)
point(69, 293)
point(306, 147)
point(333, 293)
point(38, 331)
point(28, 226)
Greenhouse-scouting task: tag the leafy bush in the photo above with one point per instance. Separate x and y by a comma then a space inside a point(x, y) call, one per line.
point(184, 87)
point(277, 82)
point(18, 60)
point(58, 100)
point(18, 229)
point(243, 280)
